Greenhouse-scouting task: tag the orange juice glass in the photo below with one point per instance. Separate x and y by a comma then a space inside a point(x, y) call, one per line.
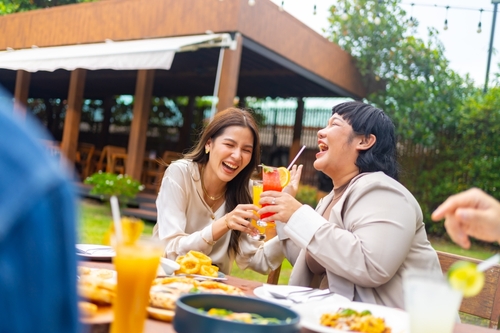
point(136, 265)
point(259, 225)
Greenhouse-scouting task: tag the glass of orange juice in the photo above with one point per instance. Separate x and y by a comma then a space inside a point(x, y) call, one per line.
point(258, 224)
point(136, 265)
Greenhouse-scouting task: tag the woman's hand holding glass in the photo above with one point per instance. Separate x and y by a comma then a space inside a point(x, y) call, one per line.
point(281, 204)
point(239, 218)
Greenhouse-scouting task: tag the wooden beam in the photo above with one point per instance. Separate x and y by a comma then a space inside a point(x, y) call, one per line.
point(229, 75)
point(21, 92)
point(73, 114)
point(297, 129)
point(139, 126)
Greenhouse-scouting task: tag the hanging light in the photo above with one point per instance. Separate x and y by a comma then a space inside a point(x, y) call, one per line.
point(376, 20)
point(314, 11)
point(282, 6)
point(410, 22)
point(479, 24)
point(446, 19)
point(251, 2)
point(344, 16)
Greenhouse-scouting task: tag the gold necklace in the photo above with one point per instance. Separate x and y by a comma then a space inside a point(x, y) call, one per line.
point(205, 191)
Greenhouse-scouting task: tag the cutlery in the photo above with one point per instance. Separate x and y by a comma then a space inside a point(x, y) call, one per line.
point(202, 277)
point(300, 296)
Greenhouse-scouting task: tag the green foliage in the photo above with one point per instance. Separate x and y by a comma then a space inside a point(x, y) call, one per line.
point(107, 184)
point(14, 6)
point(408, 78)
point(307, 195)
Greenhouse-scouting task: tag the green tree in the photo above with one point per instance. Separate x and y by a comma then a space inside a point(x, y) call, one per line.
point(14, 6)
point(406, 76)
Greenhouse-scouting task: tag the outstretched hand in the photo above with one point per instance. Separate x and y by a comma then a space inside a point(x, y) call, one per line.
point(470, 213)
point(293, 187)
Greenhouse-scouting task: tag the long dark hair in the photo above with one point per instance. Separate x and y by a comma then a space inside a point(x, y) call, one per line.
point(237, 191)
point(365, 120)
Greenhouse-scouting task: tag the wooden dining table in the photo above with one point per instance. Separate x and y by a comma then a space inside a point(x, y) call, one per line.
point(247, 286)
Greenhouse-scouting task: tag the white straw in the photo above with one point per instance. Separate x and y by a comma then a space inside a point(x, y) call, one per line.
point(296, 156)
point(488, 263)
point(115, 211)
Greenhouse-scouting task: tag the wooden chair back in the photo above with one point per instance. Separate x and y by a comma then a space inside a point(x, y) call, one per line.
point(162, 164)
point(105, 160)
point(487, 303)
point(274, 276)
point(84, 157)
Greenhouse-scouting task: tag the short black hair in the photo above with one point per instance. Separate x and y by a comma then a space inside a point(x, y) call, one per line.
point(365, 120)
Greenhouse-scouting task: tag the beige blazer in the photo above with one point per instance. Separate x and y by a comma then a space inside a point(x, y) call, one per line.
point(374, 234)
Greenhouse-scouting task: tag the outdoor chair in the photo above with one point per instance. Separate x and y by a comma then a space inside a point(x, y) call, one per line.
point(83, 161)
point(154, 169)
point(487, 303)
point(105, 160)
point(274, 276)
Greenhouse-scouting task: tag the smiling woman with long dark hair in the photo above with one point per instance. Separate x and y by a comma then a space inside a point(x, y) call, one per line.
point(369, 230)
point(204, 202)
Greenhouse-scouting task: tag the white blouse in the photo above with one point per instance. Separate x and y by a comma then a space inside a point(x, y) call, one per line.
point(185, 223)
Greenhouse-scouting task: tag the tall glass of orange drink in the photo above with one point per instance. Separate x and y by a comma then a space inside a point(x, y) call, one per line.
point(258, 224)
point(136, 265)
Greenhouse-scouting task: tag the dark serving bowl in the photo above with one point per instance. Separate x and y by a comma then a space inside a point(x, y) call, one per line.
point(189, 319)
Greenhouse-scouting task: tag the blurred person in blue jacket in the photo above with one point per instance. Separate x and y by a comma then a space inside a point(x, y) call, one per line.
point(37, 232)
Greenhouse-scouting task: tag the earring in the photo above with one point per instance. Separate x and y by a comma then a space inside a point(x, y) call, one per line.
point(207, 150)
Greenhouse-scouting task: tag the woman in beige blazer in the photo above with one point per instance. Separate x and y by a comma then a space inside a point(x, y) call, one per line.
point(369, 230)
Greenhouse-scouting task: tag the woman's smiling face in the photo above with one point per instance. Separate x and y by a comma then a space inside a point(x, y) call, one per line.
point(230, 152)
point(337, 147)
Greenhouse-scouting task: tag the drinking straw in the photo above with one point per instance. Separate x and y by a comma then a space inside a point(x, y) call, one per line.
point(115, 211)
point(488, 263)
point(296, 156)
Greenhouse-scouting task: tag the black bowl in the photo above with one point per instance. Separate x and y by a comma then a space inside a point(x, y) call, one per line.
point(189, 319)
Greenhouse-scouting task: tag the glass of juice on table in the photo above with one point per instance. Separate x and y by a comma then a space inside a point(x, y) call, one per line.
point(136, 264)
point(258, 224)
point(431, 303)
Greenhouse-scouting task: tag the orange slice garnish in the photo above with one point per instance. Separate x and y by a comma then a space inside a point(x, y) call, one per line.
point(284, 176)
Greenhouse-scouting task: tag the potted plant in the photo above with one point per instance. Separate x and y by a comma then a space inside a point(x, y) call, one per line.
point(106, 184)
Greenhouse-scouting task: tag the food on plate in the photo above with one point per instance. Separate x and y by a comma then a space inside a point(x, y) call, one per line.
point(245, 317)
point(161, 314)
point(464, 276)
point(97, 285)
point(165, 292)
point(195, 262)
point(87, 309)
point(354, 321)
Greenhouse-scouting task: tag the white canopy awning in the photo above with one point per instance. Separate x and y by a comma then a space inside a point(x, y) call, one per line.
point(155, 53)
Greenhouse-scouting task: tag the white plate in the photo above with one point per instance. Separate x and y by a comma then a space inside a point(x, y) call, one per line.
point(261, 292)
point(96, 252)
point(310, 314)
point(220, 277)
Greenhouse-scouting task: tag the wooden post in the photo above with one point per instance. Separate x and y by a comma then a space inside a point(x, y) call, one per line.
point(71, 128)
point(106, 121)
point(23, 79)
point(297, 129)
point(229, 75)
point(185, 135)
point(139, 126)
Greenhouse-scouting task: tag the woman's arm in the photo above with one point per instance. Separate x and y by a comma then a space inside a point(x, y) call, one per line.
point(369, 243)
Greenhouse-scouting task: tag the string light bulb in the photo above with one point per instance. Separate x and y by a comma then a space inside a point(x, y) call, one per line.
point(314, 11)
point(479, 24)
point(282, 6)
point(410, 22)
point(446, 19)
point(344, 16)
point(376, 20)
point(251, 2)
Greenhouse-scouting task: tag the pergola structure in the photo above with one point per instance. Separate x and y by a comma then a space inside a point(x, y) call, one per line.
point(271, 54)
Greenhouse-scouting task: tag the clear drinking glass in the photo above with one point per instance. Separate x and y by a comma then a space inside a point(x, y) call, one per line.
point(136, 265)
point(271, 182)
point(431, 303)
point(258, 224)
